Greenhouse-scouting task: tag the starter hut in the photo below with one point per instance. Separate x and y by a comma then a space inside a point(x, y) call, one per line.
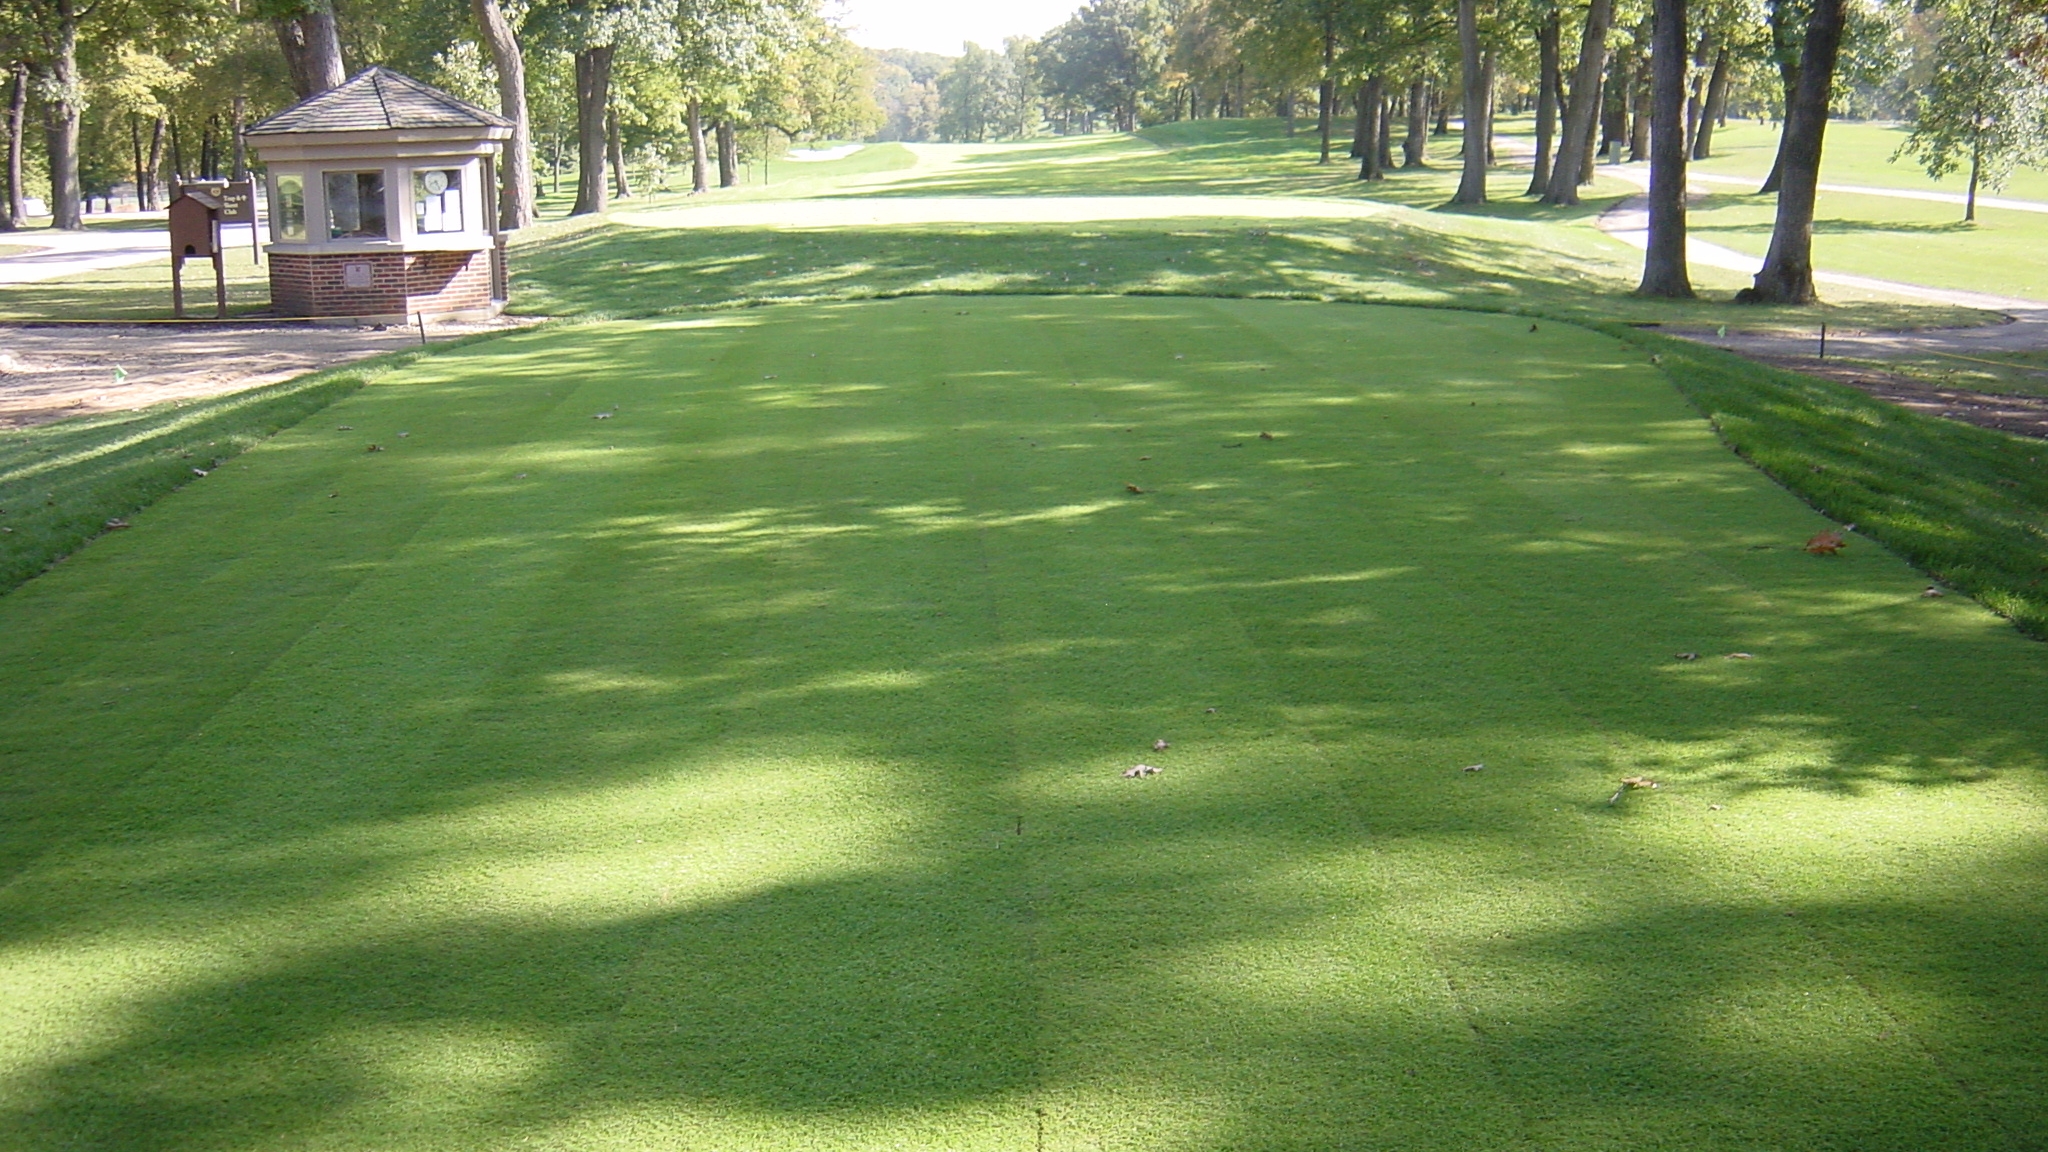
point(383, 203)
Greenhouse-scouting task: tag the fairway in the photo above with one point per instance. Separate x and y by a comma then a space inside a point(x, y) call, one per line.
point(708, 732)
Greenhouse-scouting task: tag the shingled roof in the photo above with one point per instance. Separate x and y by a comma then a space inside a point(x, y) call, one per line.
point(374, 100)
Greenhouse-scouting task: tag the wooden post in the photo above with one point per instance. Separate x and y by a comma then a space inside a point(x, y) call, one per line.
point(220, 286)
point(177, 285)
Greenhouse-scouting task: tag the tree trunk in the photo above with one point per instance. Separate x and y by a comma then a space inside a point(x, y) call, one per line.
point(1415, 149)
point(1696, 99)
point(615, 151)
point(66, 107)
point(1639, 125)
point(1788, 79)
point(14, 213)
point(1716, 110)
point(1576, 140)
point(1976, 168)
point(1360, 131)
point(1621, 76)
point(1787, 276)
point(1487, 74)
point(1664, 270)
point(1369, 117)
point(135, 145)
point(728, 155)
point(241, 119)
point(311, 42)
point(1547, 82)
point(1326, 106)
point(700, 161)
point(1442, 108)
point(1589, 157)
point(154, 170)
point(1472, 181)
point(593, 97)
point(515, 203)
point(1385, 143)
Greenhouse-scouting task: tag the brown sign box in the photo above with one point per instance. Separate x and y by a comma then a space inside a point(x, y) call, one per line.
point(238, 203)
point(193, 218)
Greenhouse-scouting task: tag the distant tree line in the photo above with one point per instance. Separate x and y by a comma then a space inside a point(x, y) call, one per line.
point(131, 94)
point(1379, 77)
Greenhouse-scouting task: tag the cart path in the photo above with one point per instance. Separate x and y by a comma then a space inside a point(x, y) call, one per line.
point(65, 253)
point(1629, 222)
point(1956, 198)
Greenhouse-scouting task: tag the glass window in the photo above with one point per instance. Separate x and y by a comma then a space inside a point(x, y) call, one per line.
point(355, 206)
point(288, 212)
point(437, 200)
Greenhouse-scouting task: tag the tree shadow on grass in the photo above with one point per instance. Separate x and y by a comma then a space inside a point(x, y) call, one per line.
point(779, 802)
point(1840, 226)
point(641, 271)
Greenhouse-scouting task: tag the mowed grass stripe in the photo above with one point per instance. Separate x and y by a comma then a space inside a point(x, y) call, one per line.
point(747, 772)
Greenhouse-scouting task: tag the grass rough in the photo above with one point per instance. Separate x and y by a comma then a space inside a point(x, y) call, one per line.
point(1967, 505)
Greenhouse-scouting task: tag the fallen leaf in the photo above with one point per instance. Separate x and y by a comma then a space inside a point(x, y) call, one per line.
point(1714, 807)
point(1475, 767)
point(602, 416)
point(1738, 656)
point(403, 435)
point(117, 522)
point(520, 476)
point(1208, 710)
point(1628, 782)
point(1826, 543)
point(1687, 656)
point(1137, 770)
point(1265, 435)
point(1933, 591)
point(1144, 457)
point(1160, 745)
point(203, 472)
point(346, 428)
point(1133, 488)
point(371, 448)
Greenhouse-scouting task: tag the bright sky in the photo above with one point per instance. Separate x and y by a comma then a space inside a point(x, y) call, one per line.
point(940, 25)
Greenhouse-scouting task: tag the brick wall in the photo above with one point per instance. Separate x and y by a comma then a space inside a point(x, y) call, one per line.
point(399, 283)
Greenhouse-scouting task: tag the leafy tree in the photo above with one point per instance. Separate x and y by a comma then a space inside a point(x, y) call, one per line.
point(973, 96)
point(1787, 275)
point(907, 91)
point(1664, 271)
point(591, 31)
point(1108, 57)
point(137, 93)
point(508, 73)
point(1575, 143)
point(1986, 104)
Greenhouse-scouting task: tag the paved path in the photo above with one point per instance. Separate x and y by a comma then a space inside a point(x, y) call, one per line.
point(63, 253)
point(1628, 221)
point(1892, 193)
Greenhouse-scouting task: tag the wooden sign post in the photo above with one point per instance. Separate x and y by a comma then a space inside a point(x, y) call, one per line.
point(195, 231)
